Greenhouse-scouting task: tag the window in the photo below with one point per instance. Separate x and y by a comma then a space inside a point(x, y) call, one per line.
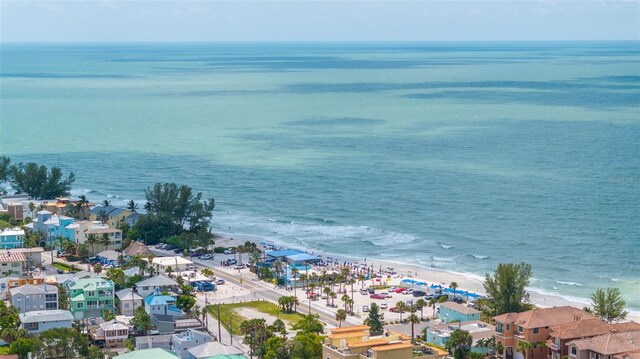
point(126, 305)
point(51, 306)
point(79, 306)
point(508, 327)
point(499, 328)
point(574, 351)
point(31, 326)
point(536, 330)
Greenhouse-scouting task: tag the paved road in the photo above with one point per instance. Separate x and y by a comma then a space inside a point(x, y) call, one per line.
point(259, 289)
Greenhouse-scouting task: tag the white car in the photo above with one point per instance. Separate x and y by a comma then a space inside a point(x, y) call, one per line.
point(238, 266)
point(384, 306)
point(365, 308)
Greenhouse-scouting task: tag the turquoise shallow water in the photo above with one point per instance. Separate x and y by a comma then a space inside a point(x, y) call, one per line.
point(452, 155)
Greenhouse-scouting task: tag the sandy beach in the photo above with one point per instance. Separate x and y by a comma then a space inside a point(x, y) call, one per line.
point(466, 282)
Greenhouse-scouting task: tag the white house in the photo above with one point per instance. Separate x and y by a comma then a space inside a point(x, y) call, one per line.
point(160, 282)
point(38, 321)
point(129, 301)
point(184, 341)
point(177, 264)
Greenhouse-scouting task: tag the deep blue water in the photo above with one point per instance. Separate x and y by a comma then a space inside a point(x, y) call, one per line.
point(452, 155)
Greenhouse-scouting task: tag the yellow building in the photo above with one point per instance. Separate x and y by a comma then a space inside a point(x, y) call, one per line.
point(355, 342)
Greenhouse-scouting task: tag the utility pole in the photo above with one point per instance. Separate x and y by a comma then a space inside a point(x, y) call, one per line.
point(219, 319)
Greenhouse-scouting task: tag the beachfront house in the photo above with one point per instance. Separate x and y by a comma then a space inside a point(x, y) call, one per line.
point(186, 340)
point(30, 297)
point(35, 322)
point(624, 345)
point(454, 312)
point(11, 238)
point(90, 297)
point(116, 215)
point(533, 326)
point(439, 333)
point(129, 301)
point(586, 328)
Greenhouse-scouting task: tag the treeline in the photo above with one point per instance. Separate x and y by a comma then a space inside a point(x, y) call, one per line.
point(35, 180)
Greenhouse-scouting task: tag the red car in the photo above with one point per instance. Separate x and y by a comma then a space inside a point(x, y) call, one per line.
point(377, 296)
point(394, 309)
point(400, 290)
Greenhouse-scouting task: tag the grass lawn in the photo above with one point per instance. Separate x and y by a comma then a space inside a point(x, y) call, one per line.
point(64, 267)
point(228, 313)
point(4, 350)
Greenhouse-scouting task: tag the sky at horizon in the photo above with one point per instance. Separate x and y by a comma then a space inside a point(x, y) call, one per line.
point(178, 21)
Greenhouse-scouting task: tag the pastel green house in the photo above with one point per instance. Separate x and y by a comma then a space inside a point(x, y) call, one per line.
point(154, 353)
point(90, 297)
point(454, 312)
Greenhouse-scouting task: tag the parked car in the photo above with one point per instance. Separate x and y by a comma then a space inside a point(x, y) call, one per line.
point(364, 291)
point(408, 291)
point(60, 271)
point(220, 281)
point(429, 296)
point(206, 257)
point(377, 296)
point(384, 306)
point(394, 310)
point(238, 266)
point(372, 290)
point(178, 250)
point(169, 247)
point(365, 308)
point(400, 290)
point(230, 262)
point(419, 293)
point(229, 251)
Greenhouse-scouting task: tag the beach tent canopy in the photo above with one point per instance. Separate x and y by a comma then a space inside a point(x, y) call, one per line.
point(302, 257)
point(283, 253)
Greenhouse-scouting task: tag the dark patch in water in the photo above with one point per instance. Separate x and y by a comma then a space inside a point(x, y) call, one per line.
point(345, 121)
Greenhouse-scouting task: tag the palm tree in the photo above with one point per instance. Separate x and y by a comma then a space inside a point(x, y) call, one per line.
point(326, 291)
point(102, 216)
point(333, 296)
point(413, 319)
point(420, 304)
point(82, 203)
point(104, 240)
point(432, 304)
point(92, 240)
point(361, 279)
point(106, 203)
point(454, 286)
point(341, 316)
point(401, 307)
point(523, 347)
point(345, 298)
point(351, 281)
point(294, 273)
point(132, 206)
point(482, 342)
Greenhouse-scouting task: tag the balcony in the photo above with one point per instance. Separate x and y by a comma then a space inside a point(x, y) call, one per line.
point(518, 334)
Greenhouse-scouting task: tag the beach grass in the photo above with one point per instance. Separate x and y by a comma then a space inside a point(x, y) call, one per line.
point(229, 314)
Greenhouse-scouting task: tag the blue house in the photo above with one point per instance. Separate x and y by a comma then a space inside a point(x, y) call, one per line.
point(160, 304)
point(454, 312)
point(439, 333)
point(11, 238)
point(54, 226)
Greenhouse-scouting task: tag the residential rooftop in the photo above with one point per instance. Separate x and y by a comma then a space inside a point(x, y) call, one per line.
point(609, 344)
point(543, 317)
point(39, 316)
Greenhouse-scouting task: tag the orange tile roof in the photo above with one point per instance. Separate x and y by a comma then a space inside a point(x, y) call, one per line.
point(544, 317)
point(11, 256)
point(395, 346)
point(628, 355)
point(591, 327)
point(609, 344)
point(352, 328)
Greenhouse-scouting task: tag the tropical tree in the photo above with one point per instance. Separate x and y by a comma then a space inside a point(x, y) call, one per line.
point(294, 274)
point(523, 347)
point(132, 206)
point(104, 240)
point(459, 342)
point(454, 286)
point(401, 307)
point(333, 296)
point(82, 204)
point(108, 315)
point(310, 323)
point(420, 304)
point(10, 323)
point(279, 327)
point(97, 268)
point(413, 319)
point(102, 216)
point(375, 320)
point(341, 316)
point(608, 306)
point(141, 320)
point(507, 287)
point(306, 346)
point(36, 180)
point(92, 240)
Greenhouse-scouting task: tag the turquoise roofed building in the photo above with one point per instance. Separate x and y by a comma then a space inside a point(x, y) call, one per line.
point(454, 312)
point(90, 297)
point(154, 353)
point(158, 303)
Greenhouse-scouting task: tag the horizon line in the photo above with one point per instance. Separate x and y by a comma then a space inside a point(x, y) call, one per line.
point(299, 41)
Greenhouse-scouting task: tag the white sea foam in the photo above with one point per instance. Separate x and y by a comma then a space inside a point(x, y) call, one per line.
point(445, 246)
point(478, 256)
point(444, 259)
point(575, 284)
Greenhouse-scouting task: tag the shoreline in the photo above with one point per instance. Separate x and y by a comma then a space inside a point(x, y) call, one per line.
point(466, 281)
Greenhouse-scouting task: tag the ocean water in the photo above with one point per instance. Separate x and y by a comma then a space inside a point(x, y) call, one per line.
point(452, 155)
